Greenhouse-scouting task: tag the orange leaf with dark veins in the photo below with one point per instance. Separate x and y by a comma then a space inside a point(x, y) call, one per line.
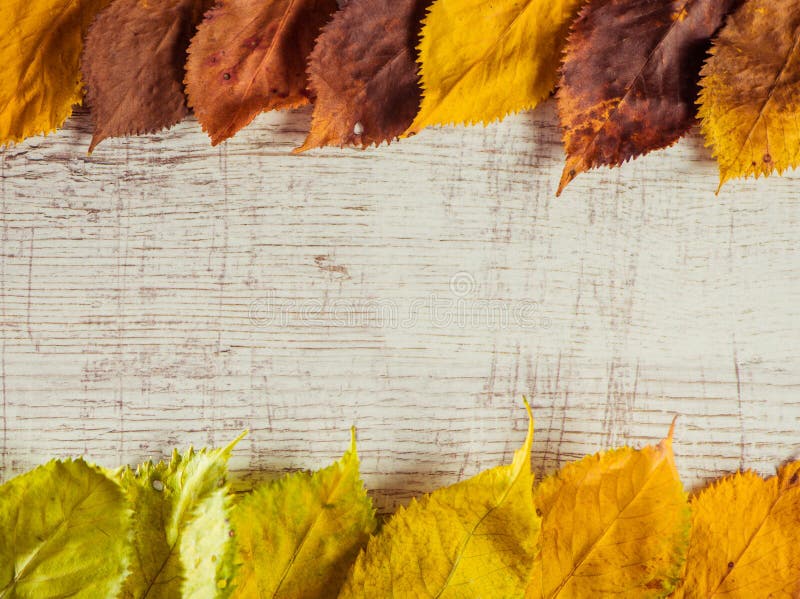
point(133, 64)
point(629, 79)
point(249, 56)
point(370, 47)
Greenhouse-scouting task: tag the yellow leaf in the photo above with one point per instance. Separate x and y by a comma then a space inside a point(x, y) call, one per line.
point(40, 48)
point(482, 60)
point(614, 523)
point(474, 539)
point(745, 537)
point(298, 535)
point(749, 99)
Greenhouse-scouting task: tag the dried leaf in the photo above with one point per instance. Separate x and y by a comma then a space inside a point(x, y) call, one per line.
point(64, 532)
point(481, 61)
point(370, 46)
point(629, 80)
point(249, 56)
point(40, 49)
point(745, 537)
point(614, 524)
point(476, 538)
point(133, 64)
point(298, 536)
point(750, 96)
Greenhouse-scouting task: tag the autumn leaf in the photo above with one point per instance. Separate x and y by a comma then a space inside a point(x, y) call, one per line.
point(133, 64)
point(64, 532)
point(249, 56)
point(615, 523)
point(750, 99)
point(166, 497)
point(370, 46)
point(206, 550)
point(481, 61)
point(40, 49)
point(629, 80)
point(745, 537)
point(298, 536)
point(476, 538)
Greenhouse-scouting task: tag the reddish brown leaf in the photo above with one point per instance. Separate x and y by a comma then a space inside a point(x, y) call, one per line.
point(133, 64)
point(629, 79)
point(250, 56)
point(375, 93)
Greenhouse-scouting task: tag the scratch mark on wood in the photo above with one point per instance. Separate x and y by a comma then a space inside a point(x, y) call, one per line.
point(324, 262)
point(35, 344)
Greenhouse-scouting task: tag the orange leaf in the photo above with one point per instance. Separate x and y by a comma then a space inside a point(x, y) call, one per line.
point(249, 56)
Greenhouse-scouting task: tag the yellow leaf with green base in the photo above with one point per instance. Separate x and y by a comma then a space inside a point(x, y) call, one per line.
point(298, 536)
point(476, 538)
point(64, 532)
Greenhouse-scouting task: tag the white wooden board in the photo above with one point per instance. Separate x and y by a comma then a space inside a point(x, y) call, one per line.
point(163, 292)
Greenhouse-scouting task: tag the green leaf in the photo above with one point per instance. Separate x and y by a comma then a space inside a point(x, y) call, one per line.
point(473, 539)
point(64, 532)
point(298, 536)
point(166, 497)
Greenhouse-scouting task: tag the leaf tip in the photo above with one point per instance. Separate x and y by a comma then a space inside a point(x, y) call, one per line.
point(353, 439)
point(572, 169)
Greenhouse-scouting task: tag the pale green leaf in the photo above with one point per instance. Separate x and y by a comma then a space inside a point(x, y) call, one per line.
point(166, 497)
point(297, 536)
point(64, 532)
point(207, 550)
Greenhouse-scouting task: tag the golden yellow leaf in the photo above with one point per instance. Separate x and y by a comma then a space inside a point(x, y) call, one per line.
point(40, 48)
point(298, 536)
point(474, 539)
point(614, 524)
point(745, 538)
point(481, 61)
point(750, 100)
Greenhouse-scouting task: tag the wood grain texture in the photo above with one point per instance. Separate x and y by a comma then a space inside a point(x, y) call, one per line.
point(163, 292)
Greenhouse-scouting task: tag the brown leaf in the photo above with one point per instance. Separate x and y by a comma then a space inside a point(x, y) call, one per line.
point(249, 56)
point(363, 74)
point(133, 65)
point(750, 98)
point(629, 79)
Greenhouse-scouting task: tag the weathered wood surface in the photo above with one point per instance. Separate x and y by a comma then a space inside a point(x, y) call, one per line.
point(163, 292)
